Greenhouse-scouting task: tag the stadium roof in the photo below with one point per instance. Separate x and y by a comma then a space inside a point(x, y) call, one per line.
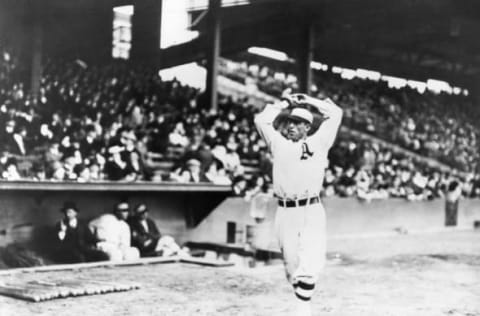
point(416, 39)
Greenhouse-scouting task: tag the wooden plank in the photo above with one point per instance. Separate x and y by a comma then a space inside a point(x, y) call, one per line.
point(206, 262)
point(112, 286)
point(88, 265)
point(65, 288)
point(141, 261)
point(26, 292)
point(17, 292)
point(41, 290)
point(92, 287)
point(47, 292)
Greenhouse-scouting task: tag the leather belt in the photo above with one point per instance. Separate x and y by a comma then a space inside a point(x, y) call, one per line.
point(295, 203)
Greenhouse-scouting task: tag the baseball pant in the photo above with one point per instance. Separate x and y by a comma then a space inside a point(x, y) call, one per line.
point(301, 234)
point(116, 253)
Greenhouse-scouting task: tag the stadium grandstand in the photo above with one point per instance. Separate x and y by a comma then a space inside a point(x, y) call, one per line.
point(424, 126)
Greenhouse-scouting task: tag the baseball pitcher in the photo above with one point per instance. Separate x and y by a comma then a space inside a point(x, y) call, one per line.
point(299, 160)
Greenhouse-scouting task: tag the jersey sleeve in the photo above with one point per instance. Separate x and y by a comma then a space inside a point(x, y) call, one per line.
point(264, 122)
point(326, 133)
point(124, 235)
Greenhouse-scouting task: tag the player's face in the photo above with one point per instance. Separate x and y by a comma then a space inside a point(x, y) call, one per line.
point(297, 130)
point(122, 214)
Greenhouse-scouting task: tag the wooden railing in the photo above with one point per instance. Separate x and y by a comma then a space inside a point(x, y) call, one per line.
point(137, 186)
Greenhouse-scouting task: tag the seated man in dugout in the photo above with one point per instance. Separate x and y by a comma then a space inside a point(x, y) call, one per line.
point(112, 234)
point(74, 243)
point(148, 239)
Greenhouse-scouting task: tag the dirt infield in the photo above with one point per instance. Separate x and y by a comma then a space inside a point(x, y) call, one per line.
point(427, 274)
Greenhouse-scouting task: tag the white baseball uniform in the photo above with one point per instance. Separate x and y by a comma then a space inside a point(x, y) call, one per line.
point(298, 171)
point(113, 237)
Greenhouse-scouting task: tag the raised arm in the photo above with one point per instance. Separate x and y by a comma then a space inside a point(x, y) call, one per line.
point(332, 113)
point(264, 120)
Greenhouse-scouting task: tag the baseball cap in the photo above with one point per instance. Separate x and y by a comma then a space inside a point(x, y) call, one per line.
point(193, 162)
point(141, 208)
point(69, 205)
point(231, 145)
point(301, 114)
point(122, 206)
point(115, 149)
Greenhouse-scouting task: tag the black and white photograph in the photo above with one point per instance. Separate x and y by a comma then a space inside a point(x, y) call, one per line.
point(240, 157)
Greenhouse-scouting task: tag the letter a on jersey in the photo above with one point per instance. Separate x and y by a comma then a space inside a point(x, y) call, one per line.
point(305, 152)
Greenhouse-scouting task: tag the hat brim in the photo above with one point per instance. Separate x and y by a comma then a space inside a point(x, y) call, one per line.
point(142, 208)
point(194, 163)
point(298, 119)
point(64, 209)
point(284, 115)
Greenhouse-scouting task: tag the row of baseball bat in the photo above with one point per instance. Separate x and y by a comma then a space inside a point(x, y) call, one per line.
point(37, 291)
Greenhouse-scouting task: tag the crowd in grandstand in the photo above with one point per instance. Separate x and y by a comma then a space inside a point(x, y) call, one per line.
point(122, 123)
point(440, 126)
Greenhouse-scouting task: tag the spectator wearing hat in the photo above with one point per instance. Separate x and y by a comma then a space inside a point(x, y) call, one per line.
point(200, 150)
point(239, 185)
point(90, 145)
point(11, 172)
point(147, 238)
point(57, 171)
point(231, 160)
point(191, 173)
point(82, 173)
point(53, 154)
point(178, 137)
point(116, 168)
point(112, 234)
point(134, 162)
point(38, 171)
point(13, 138)
point(74, 243)
point(217, 174)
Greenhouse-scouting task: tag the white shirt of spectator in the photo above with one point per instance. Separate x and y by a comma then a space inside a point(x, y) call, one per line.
point(294, 177)
point(232, 163)
point(145, 225)
point(178, 137)
point(20, 143)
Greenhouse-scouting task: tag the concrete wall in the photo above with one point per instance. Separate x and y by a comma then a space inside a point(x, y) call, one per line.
point(344, 217)
point(186, 212)
point(23, 212)
point(42, 209)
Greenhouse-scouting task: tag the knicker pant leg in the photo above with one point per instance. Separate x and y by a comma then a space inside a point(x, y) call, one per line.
point(287, 226)
point(130, 253)
point(311, 251)
point(111, 251)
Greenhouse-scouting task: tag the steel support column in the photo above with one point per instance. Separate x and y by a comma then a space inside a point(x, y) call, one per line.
point(305, 57)
point(213, 52)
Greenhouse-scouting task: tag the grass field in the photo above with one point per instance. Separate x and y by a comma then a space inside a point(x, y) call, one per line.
point(410, 274)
